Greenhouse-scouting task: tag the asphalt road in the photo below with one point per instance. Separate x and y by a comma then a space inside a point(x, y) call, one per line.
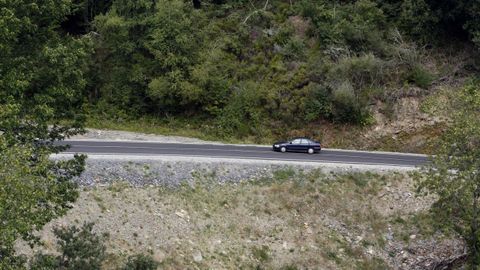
point(241, 152)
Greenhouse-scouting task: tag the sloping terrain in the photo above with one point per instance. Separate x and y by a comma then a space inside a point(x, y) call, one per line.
point(290, 221)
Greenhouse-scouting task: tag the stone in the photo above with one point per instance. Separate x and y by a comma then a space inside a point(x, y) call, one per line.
point(182, 213)
point(197, 256)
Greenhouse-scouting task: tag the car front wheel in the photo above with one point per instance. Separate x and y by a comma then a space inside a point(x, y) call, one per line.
point(283, 149)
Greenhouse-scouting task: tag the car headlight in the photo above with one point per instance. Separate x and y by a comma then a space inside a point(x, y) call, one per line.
point(276, 145)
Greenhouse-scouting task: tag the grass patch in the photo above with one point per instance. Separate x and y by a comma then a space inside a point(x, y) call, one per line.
point(261, 253)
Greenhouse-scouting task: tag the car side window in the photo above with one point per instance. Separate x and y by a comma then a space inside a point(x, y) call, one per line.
point(297, 141)
point(303, 141)
point(306, 141)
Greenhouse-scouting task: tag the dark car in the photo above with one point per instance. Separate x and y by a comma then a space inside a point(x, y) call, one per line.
point(298, 145)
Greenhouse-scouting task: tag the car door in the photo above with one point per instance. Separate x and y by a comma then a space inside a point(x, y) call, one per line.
point(309, 144)
point(304, 145)
point(295, 145)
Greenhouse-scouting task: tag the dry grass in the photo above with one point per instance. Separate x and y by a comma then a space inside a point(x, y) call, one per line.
point(294, 221)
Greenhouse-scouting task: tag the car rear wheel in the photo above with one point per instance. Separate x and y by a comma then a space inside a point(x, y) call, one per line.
point(283, 149)
point(311, 151)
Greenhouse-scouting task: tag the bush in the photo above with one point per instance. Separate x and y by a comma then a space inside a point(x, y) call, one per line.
point(348, 108)
point(359, 26)
point(362, 71)
point(140, 262)
point(80, 249)
point(420, 77)
point(242, 116)
point(319, 103)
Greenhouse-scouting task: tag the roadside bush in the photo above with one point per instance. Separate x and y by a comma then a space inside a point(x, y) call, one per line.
point(242, 116)
point(319, 103)
point(348, 108)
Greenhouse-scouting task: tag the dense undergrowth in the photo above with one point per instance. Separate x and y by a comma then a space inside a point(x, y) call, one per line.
point(258, 69)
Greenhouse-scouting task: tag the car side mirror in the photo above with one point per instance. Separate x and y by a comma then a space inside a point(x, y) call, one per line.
point(290, 142)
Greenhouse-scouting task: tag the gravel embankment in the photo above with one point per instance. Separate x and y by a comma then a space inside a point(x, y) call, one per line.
point(173, 171)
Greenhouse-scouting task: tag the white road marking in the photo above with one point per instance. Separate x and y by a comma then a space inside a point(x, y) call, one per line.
point(255, 158)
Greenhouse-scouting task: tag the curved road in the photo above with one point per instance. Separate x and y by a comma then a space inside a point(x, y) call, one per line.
point(241, 152)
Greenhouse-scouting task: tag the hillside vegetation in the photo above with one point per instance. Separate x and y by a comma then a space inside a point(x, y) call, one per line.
point(266, 69)
point(374, 74)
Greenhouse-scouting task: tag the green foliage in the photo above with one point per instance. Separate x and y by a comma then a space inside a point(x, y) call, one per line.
point(359, 26)
point(80, 248)
point(454, 174)
point(420, 77)
point(33, 191)
point(242, 114)
point(140, 262)
point(319, 104)
point(362, 72)
point(41, 72)
point(261, 253)
point(41, 86)
point(347, 107)
point(431, 20)
point(247, 68)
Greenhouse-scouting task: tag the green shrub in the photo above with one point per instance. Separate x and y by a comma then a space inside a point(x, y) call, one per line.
point(420, 77)
point(262, 254)
point(348, 108)
point(364, 71)
point(319, 103)
point(80, 249)
point(140, 262)
point(359, 26)
point(242, 116)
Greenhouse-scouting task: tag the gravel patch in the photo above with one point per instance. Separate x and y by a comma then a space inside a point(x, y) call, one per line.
point(117, 135)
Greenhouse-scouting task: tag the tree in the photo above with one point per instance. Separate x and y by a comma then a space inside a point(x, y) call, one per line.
point(454, 175)
point(32, 192)
point(41, 73)
point(41, 84)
